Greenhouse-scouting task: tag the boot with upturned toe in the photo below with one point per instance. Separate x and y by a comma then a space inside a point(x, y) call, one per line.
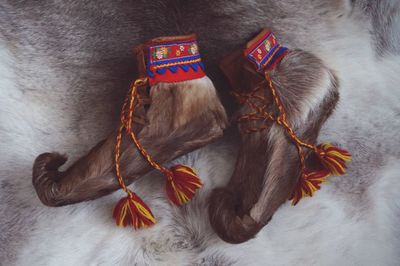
point(171, 109)
point(284, 97)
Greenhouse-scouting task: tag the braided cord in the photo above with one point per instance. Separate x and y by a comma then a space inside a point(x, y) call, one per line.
point(260, 113)
point(126, 123)
point(282, 119)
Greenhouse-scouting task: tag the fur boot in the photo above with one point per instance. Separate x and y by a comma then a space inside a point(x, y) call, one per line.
point(170, 110)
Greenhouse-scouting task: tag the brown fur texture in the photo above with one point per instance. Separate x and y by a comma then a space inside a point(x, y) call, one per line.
point(182, 117)
point(267, 167)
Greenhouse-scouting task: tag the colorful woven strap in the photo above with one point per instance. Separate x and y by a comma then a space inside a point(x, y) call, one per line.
point(265, 52)
point(174, 61)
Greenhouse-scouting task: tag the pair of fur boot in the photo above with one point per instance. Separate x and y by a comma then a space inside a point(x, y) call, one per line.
point(172, 108)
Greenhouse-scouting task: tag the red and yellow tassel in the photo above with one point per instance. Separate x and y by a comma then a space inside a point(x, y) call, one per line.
point(308, 183)
point(131, 210)
point(333, 158)
point(334, 161)
point(182, 183)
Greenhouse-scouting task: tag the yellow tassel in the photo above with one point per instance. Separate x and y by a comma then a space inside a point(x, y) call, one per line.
point(333, 158)
point(131, 210)
point(308, 184)
point(182, 183)
point(182, 180)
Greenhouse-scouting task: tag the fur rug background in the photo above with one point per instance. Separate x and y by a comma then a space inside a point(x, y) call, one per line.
point(65, 66)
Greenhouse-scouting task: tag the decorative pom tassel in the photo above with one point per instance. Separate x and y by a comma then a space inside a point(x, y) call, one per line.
point(308, 183)
point(131, 210)
point(333, 158)
point(182, 182)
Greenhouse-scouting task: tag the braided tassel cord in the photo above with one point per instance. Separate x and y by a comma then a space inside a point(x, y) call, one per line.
point(181, 180)
point(332, 158)
point(130, 210)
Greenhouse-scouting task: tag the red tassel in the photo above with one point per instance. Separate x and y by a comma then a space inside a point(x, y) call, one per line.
point(182, 183)
point(131, 210)
point(333, 158)
point(308, 184)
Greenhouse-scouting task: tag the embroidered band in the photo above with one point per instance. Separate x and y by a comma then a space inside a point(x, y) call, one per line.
point(265, 52)
point(174, 61)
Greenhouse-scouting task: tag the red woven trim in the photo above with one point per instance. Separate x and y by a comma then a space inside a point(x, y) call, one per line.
point(256, 43)
point(177, 77)
point(174, 61)
point(265, 53)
